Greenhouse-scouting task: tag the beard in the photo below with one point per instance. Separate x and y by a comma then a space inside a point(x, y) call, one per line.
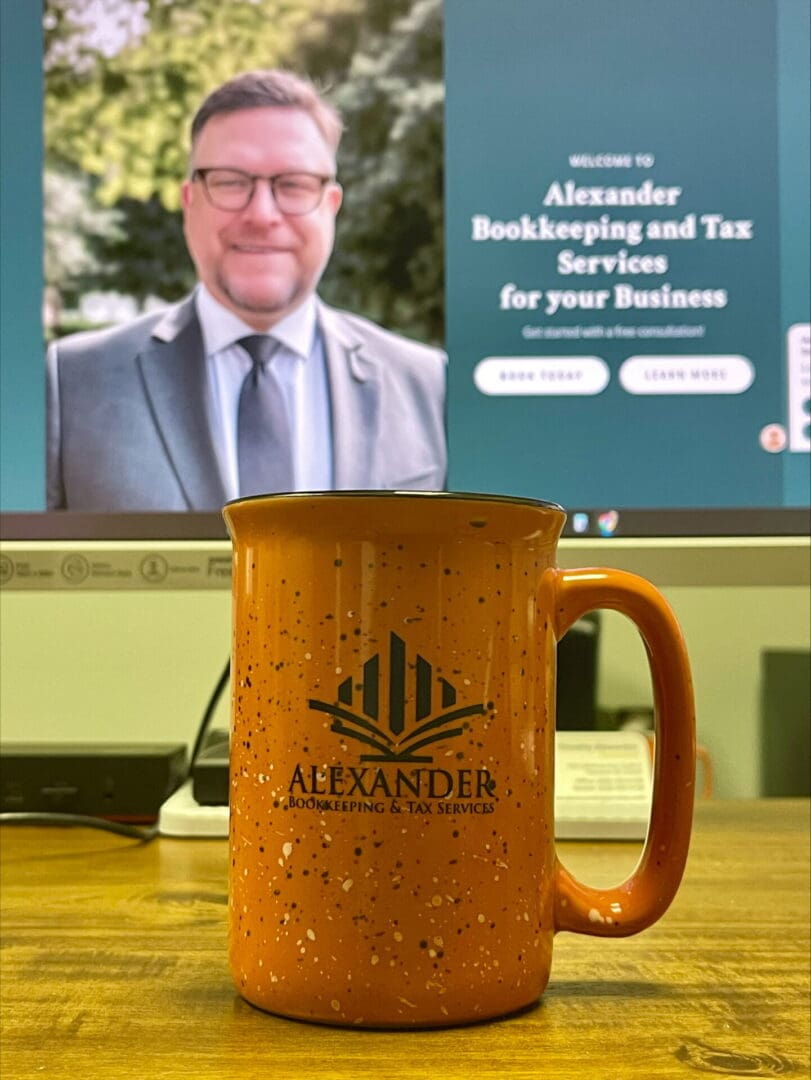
point(269, 302)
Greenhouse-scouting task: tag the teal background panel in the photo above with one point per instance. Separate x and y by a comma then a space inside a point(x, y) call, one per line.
point(22, 370)
point(695, 84)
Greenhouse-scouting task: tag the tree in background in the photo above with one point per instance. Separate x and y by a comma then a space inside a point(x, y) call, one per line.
point(73, 221)
point(124, 77)
point(389, 258)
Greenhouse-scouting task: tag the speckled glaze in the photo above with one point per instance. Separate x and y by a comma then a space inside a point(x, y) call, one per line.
point(392, 833)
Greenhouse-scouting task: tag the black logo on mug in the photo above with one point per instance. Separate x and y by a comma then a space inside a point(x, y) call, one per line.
point(403, 735)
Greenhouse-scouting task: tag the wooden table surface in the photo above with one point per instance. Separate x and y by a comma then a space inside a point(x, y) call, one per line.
point(114, 965)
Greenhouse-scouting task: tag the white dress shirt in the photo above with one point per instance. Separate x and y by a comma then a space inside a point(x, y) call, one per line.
point(300, 367)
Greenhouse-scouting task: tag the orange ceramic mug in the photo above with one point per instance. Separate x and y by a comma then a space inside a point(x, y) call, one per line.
point(392, 755)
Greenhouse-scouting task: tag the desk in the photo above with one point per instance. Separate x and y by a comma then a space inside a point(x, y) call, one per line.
point(114, 965)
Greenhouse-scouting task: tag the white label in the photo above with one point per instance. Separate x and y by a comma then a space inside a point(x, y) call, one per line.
point(603, 784)
point(798, 348)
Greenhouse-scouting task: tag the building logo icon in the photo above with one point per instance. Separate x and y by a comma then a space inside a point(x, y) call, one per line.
point(385, 717)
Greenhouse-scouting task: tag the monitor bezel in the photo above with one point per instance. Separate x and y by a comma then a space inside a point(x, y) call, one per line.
point(634, 523)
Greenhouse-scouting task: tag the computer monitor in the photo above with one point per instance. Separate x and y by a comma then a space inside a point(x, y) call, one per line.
point(706, 494)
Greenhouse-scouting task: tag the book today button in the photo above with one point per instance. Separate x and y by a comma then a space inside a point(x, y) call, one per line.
point(561, 375)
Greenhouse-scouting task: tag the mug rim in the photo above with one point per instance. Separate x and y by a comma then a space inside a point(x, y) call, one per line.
point(355, 493)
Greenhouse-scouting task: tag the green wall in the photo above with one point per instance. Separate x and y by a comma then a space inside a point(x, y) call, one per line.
point(116, 666)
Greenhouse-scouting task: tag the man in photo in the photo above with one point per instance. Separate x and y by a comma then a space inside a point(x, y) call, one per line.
point(251, 384)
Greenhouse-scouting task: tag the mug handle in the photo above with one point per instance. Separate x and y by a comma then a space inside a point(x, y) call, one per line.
point(647, 893)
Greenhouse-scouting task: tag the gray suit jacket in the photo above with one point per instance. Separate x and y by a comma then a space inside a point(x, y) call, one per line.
point(128, 420)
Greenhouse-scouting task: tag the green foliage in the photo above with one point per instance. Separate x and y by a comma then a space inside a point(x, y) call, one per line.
point(73, 224)
point(124, 118)
point(389, 257)
point(148, 257)
point(120, 95)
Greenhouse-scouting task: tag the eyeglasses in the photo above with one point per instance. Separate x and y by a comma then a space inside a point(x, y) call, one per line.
point(232, 189)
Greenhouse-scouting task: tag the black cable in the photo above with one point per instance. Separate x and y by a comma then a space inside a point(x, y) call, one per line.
point(86, 820)
point(216, 694)
point(118, 827)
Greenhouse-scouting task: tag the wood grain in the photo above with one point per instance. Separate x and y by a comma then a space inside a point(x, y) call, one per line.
point(114, 965)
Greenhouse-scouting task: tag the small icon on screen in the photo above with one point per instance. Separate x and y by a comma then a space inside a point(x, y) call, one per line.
point(608, 522)
point(773, 438)
point(580, 522)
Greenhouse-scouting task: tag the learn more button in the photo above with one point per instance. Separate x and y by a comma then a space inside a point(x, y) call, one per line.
point(541, 375)
point(686, 374)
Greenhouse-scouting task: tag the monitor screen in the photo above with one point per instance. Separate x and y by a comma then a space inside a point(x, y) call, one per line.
point(627, 222)
point(609, 234)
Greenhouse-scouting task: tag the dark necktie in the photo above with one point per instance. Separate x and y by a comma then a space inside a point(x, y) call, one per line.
point(264, 452)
